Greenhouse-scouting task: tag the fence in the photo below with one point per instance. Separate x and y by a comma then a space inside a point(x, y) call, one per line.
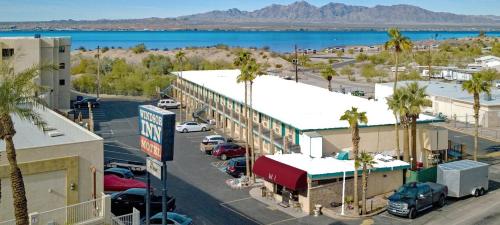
point(128, 219)
point(425, 175)
point(92, 210)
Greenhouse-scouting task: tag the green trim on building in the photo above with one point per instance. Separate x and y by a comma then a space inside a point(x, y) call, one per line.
point(297, 138)
point(283, 130)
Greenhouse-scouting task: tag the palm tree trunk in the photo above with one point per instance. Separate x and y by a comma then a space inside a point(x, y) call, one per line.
point(396, 127)
point(364, 185)
point(252, 144)
point(355, 144)
point(247, 153)
point(476, 126)
point(16, 177)
point(406, 141)
point(414, 142)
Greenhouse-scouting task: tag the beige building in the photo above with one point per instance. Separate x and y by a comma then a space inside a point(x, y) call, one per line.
point(296, 122)
point(61, 166)
point(25, 52)
point(448, 99)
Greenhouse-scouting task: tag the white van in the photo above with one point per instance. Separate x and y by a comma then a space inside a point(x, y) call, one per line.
point(168, 104)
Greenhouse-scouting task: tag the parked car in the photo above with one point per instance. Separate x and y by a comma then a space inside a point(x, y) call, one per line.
point(135, 167)
point(115, 183)
point(191, 126)
point(415, 197)
point(84, 103)
point(120, 172)
point(123, 202)
point(228, 150)
point(209, 142)
point(168, 104)
point(236, 167)
point(172, 218)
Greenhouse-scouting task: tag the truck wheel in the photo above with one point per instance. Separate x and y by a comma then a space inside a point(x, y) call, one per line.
point(476, 193)
point(413, 213)
point(482, 192)
point(223, 157)
point(442, 201)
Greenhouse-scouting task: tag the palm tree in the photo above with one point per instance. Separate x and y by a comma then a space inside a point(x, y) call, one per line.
point(400, 44)
point(398, 102)
point(417, 99)
point(18, 97)
point(180, 56)
point(241, 61)
point(353, 117)
point(476, 85)
point(328, 73)
point(366, 161)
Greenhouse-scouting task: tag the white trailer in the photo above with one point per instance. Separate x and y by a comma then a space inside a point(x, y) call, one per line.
point(464, 177)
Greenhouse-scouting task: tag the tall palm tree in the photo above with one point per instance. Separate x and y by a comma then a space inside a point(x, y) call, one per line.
point(417, 100)
point(180, 56)
point(398, 103)
point(241, 61)
point(476, 85)
point(366, 161)
point(399, 44)
point(18, 97)
point(328, 73)
point(353, 117)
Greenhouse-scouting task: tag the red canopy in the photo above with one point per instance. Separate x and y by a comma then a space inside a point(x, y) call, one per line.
point(115, 183)
point(279, 173)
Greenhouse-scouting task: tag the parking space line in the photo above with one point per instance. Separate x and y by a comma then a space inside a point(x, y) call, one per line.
point(281, 221)
point(241, 214)
point(237, 200)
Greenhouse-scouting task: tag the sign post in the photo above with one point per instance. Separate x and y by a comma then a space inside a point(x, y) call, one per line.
point(157, 129)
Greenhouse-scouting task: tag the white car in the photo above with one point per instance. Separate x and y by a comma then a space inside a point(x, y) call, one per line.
point(168, 104)
point(191, 126)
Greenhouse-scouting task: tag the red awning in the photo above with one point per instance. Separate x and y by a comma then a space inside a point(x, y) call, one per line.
point(279, 173)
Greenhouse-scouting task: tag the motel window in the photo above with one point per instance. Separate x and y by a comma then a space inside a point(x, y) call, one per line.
point(62, 82)
point(7, 53)
point(62, 66)
point(62, 49)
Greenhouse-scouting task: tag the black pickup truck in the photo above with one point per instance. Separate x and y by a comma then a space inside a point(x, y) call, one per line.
point(123, 202)
point(415, 197)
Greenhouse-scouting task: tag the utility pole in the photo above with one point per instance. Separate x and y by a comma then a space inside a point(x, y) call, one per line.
point(98, 71)
point(296, 65)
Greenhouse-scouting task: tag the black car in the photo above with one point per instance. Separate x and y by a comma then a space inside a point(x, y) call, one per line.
point(84, 103)
point(236, 166)
point(123, 202)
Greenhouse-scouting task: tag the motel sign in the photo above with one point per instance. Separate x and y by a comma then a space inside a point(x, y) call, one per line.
point(156, 129)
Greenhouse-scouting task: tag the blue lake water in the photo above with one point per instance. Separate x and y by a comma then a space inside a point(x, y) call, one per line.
point(281, 41)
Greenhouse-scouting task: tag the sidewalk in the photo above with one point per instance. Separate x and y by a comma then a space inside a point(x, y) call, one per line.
point(273, 205)
point(492, 134)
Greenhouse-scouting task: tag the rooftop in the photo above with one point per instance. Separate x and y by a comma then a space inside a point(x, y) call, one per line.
point(30, 136)
point(462, 165)
point(451, 90)
point(299, 105)
point(332, 167)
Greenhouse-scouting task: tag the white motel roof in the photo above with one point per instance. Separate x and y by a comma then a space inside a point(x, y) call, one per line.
point(328, 167)
point(302, 106)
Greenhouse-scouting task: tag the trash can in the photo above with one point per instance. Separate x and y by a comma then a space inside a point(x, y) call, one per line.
point(263, 191)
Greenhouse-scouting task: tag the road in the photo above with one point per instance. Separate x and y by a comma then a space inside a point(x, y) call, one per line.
point(201, 192)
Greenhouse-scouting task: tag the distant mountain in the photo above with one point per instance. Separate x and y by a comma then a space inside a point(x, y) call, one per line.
point(298, 15)
point(339, 13)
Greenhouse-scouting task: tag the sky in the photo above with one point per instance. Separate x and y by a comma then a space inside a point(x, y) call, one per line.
point(40, 10)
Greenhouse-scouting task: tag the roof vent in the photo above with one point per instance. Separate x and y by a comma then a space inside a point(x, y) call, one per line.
point(48, 128)
point(55, 134)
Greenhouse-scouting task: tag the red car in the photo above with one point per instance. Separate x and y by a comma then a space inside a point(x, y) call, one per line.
point(228, 150)
point(115, 183)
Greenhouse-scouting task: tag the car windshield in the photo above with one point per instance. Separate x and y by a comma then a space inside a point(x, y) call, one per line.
point(407, 191)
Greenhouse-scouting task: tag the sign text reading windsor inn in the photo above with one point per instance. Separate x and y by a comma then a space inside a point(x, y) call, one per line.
point(157, 127)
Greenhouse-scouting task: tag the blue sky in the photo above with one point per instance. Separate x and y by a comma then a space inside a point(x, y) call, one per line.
point(29, 10)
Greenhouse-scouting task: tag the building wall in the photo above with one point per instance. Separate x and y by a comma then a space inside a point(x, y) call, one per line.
point(489, 116)
point(72, 163)
point(44, 51)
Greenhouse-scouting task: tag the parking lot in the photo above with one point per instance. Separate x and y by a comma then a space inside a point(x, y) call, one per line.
point(198, 182)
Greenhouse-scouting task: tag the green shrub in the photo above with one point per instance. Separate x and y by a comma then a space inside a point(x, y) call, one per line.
point(140, 48)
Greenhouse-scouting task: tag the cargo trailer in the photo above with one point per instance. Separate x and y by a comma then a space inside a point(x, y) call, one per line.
point(464, 177)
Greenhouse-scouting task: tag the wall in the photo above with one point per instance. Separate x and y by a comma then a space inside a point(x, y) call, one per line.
point(52, 159)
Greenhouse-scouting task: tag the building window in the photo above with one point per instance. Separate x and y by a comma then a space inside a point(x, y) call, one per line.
point(62, 49)
point(7, 52)
point(62, 82)
point(62, 66)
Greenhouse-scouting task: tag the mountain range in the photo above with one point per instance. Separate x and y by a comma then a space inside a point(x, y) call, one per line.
point(298, 15)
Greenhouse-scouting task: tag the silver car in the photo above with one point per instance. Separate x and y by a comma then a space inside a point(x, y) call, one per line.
point(191, 126)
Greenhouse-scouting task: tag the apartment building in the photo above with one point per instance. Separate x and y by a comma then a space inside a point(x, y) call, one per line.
point(62, 165)
point(25, 52)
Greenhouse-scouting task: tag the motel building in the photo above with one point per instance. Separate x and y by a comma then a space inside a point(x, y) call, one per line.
point(301, 145)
